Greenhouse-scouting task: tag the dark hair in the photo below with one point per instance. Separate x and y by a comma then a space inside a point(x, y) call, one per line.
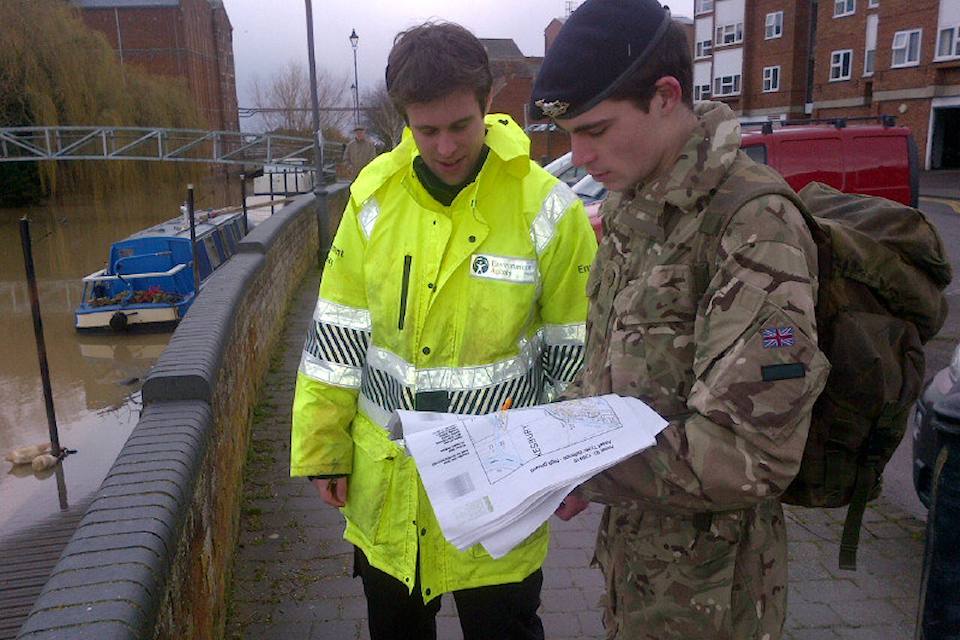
point(432, 61)
point(671, 57)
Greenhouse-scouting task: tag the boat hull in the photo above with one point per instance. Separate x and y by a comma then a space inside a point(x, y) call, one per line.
point(140, 317)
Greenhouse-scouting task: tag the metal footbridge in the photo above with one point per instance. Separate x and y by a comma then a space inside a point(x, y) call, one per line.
point(20, 144)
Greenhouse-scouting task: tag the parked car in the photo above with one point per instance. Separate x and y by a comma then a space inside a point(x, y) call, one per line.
point(563, 168)
point(939, 405)
point(877, 159)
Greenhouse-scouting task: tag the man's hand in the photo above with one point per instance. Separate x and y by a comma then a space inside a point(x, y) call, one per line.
point(571, 506)
point(333, 491)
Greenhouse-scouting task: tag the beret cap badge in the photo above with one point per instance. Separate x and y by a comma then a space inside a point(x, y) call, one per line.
point(553, 108)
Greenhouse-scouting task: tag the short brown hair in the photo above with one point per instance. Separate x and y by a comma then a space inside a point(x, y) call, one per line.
point(671, 57)
point(432, 61)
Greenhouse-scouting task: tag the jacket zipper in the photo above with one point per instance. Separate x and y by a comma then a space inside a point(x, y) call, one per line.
point(407, 259)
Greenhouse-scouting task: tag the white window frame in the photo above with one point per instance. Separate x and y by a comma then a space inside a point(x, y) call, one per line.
point(869, 61)
point(873, 4)
point(902, 43)
point(771, 79)
point(701, 91)
point(704, 6)
point(954, 48)
point(704, 48)
point(726, 86)
point(837, 64)
point(843, 8)
point(734, 30)
point(773, 27)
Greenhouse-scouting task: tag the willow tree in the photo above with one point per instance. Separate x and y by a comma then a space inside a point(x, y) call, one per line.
point(56, 71)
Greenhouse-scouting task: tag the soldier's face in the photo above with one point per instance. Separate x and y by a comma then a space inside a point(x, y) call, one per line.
point(619, 144)
point(449, 133)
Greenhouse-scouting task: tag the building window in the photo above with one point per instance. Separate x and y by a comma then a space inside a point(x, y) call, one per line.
point(774, 25)
point(726, 86)
point(840, 65)
point(771, 79)
point(704, 6)
point(873, 4)
point(868, 60)
point(704, 48)
point(844, 8)
point(729, 34)
point(906, 48)
point(948, 46)
point(701, 92)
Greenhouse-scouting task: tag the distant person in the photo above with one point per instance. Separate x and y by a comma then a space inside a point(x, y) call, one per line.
point(456, 283)
point(359, 152)
point(703, 308)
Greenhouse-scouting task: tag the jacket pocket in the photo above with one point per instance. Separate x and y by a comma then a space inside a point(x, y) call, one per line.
point(371, 482)
point(768, 377)
point(651, 342)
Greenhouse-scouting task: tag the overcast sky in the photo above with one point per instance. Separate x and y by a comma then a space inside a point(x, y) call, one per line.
point(266, 35)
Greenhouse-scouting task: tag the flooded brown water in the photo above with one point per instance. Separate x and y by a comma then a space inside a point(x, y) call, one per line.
point(96, 379)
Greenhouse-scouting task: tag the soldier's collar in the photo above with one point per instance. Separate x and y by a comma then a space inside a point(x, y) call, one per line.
point(701, 164)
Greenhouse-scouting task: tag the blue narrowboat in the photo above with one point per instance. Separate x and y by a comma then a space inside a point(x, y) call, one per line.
point(149, 282)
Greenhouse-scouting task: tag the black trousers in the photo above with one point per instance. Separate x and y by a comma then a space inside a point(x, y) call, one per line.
point(497, 612)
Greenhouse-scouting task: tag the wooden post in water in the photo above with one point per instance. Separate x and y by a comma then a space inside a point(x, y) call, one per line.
point(38, 334)
point(193, 242)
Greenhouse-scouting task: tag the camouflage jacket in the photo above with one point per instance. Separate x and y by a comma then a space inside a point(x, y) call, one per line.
point(731, 361)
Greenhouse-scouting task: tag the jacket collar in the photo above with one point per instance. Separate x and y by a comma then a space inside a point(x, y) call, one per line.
point(704, 160)
point(504, 137)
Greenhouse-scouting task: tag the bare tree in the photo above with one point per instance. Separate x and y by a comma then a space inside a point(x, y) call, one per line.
point(285, 103)
point(380, 117)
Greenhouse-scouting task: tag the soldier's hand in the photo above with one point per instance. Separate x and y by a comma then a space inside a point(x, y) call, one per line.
point(571, 506)
point(333, 491)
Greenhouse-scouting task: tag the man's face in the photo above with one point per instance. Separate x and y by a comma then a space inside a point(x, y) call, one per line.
point(619, 144)
point(359, 134)
point(449, 133)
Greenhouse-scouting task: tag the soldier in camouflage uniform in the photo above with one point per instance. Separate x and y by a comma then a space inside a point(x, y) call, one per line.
point(718, 337)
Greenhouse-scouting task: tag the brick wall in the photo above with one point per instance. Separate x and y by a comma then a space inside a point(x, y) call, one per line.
point(152, 556)
point(193, 41)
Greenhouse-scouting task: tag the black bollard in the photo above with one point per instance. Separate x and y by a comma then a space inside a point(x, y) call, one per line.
point(243, 201)
point(939, 610)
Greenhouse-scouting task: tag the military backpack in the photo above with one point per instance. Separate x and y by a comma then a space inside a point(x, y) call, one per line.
point(882, 271)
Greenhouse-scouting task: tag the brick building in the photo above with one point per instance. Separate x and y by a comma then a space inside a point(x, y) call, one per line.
point(795, 59)
point(190, 39)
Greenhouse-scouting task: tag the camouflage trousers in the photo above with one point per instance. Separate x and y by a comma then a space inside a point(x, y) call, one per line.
point(667, 578)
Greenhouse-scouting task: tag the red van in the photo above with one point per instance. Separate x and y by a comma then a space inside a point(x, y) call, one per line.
point(873, 159)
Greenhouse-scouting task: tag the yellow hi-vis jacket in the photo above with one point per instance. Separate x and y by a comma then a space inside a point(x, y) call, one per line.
point(473, 304)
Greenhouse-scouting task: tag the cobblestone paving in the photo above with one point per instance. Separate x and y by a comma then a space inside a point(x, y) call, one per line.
point(292, 571)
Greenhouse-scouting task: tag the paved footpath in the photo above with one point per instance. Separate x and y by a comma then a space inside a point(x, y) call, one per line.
point(292, 571)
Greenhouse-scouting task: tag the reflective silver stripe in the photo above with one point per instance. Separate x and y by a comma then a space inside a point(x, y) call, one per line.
point(351, 317)
point(374, 411)
point(565, 333)
point(556, 203)
point(330, 373)
point(454, 378)
point(367, 216)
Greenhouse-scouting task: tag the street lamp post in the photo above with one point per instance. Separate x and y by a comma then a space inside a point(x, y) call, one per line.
point(319, 187)
point(354, 39)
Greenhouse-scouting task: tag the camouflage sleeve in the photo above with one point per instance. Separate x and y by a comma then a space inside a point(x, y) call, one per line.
point(757, 372)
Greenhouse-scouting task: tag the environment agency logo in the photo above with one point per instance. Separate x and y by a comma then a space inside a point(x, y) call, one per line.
point(480, 265)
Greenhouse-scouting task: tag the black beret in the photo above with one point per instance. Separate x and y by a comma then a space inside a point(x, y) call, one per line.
point(600, 45)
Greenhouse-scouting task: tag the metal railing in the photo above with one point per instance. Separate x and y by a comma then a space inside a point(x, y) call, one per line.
point(19, 144)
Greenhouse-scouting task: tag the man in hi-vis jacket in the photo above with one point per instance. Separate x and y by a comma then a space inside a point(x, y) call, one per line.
point(456, 283)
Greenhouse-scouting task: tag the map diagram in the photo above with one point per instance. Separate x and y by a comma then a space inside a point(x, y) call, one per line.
point(507, 440)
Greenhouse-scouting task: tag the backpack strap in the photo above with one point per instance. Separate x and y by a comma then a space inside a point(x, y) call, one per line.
point(745, 181)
